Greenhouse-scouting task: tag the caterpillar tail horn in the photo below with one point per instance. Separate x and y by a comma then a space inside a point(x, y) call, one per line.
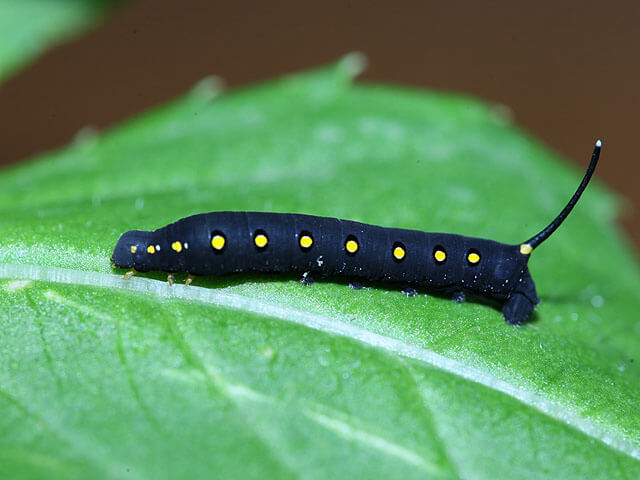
point(528, 246)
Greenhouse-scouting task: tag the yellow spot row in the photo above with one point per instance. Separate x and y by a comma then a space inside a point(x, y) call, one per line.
point(176, 246)
point(352, 246)
point(439, 254)
point(218, 241)
point(260, 239)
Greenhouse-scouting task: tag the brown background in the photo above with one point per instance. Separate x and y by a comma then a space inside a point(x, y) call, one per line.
point(569, 72)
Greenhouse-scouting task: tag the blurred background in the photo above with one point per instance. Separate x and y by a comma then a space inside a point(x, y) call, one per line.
point(568, 72)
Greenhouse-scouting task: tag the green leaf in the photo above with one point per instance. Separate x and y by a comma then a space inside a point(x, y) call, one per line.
point(28, 27)
point(259, 376)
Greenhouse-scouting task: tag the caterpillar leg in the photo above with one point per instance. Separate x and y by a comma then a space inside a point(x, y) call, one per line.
point(355, 285)
point(171, 279)
point(130, 274)
point(409, 292)
point(459, 297)
point(189, 280)
point(517, 309)
point(307, 279)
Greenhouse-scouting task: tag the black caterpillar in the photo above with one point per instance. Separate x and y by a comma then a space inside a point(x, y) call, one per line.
point(221, 243)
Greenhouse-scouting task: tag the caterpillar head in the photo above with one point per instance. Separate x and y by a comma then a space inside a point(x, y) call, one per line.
point(135, 249)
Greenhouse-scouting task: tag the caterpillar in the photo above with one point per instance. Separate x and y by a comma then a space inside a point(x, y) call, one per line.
point(221, 243)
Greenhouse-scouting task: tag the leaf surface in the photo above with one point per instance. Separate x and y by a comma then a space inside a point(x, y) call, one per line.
point(255, 375)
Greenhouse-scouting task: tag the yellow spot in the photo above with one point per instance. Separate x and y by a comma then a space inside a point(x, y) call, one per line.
point(440, 256)
point(473, 257)
point(261, 240)
point(525, 249)
point(151, 249)
point(177, 246)
point(134, 249)
point(351, 246)
point(217, 242)
point(399, 253)
point(306, 241)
